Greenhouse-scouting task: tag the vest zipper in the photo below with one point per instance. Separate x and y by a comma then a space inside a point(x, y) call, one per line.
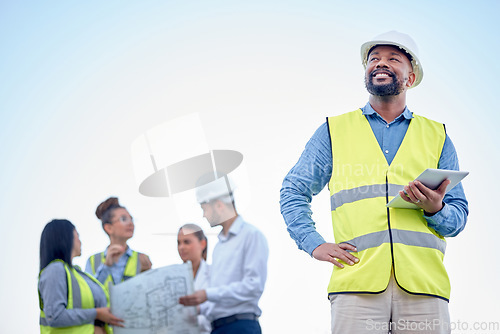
point(389, 222)
point(392, 249)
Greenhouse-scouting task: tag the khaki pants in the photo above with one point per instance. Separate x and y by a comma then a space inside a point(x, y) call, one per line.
point(394, 310)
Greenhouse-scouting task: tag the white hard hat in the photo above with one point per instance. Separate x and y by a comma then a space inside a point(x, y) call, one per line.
point(210, 188)
point(403, 41)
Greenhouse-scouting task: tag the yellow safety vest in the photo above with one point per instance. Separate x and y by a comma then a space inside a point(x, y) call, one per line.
point(362, 183)
point(132, 268)
point(79, 296)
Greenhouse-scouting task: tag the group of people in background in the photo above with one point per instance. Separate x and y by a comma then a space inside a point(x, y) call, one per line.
point(387, 261)
point(74, 301)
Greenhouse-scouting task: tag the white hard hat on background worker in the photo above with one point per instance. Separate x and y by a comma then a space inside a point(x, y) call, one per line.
point(221, 188)
point(400, 40)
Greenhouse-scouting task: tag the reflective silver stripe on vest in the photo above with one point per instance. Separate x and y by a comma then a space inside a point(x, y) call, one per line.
point(97, 261)
point(77, 297)
point(138, 269)
point(355, 194)
point(138, 264)
point(421, 239)
point(369, 240)
point(410, 238)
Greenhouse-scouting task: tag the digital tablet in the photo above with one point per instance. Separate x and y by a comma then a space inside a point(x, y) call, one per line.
point(431, 178)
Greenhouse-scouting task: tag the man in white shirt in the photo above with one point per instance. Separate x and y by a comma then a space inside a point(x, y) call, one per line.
point(239, 268)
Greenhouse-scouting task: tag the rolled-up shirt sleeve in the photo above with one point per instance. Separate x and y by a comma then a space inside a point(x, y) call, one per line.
point(54, 293)
point(307, 178)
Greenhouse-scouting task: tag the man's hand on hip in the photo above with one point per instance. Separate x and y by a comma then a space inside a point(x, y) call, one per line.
point(331, 252)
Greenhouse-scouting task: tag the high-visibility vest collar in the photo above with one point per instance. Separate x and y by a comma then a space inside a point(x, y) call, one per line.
point(132, 267)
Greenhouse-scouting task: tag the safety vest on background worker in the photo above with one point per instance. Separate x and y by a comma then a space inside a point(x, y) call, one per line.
point(79, 296)
point(361, 185)
point(132, 267)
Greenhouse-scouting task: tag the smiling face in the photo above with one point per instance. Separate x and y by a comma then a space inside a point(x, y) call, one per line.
point(388, 71)
point(190, 248)
point(121, 225)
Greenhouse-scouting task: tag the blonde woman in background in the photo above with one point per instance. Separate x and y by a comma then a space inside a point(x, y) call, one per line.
point(192, 246)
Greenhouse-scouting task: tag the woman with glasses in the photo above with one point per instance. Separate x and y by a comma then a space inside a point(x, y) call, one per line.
point(118, 262)
point(71, 301)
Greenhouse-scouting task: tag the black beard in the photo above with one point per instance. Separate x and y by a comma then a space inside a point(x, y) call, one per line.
point(393, 88)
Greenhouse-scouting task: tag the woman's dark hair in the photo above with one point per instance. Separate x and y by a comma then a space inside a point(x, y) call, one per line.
point(105, 210)
point(56, 242)
point(198, 232)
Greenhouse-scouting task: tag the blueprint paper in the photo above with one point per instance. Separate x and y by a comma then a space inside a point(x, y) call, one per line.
point(149, 302)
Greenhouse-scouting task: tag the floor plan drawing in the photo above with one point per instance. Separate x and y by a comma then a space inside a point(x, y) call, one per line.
point(149, 302)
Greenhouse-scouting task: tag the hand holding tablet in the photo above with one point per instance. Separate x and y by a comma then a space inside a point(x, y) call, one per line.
point(432, 179)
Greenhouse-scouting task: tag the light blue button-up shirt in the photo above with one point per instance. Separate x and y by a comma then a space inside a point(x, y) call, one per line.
point(238, 272)
point(314, 169)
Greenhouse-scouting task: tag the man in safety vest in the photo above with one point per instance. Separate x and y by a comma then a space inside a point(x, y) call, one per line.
point(388, 272)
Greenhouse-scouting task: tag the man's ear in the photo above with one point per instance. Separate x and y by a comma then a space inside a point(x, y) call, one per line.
point(411, 79)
